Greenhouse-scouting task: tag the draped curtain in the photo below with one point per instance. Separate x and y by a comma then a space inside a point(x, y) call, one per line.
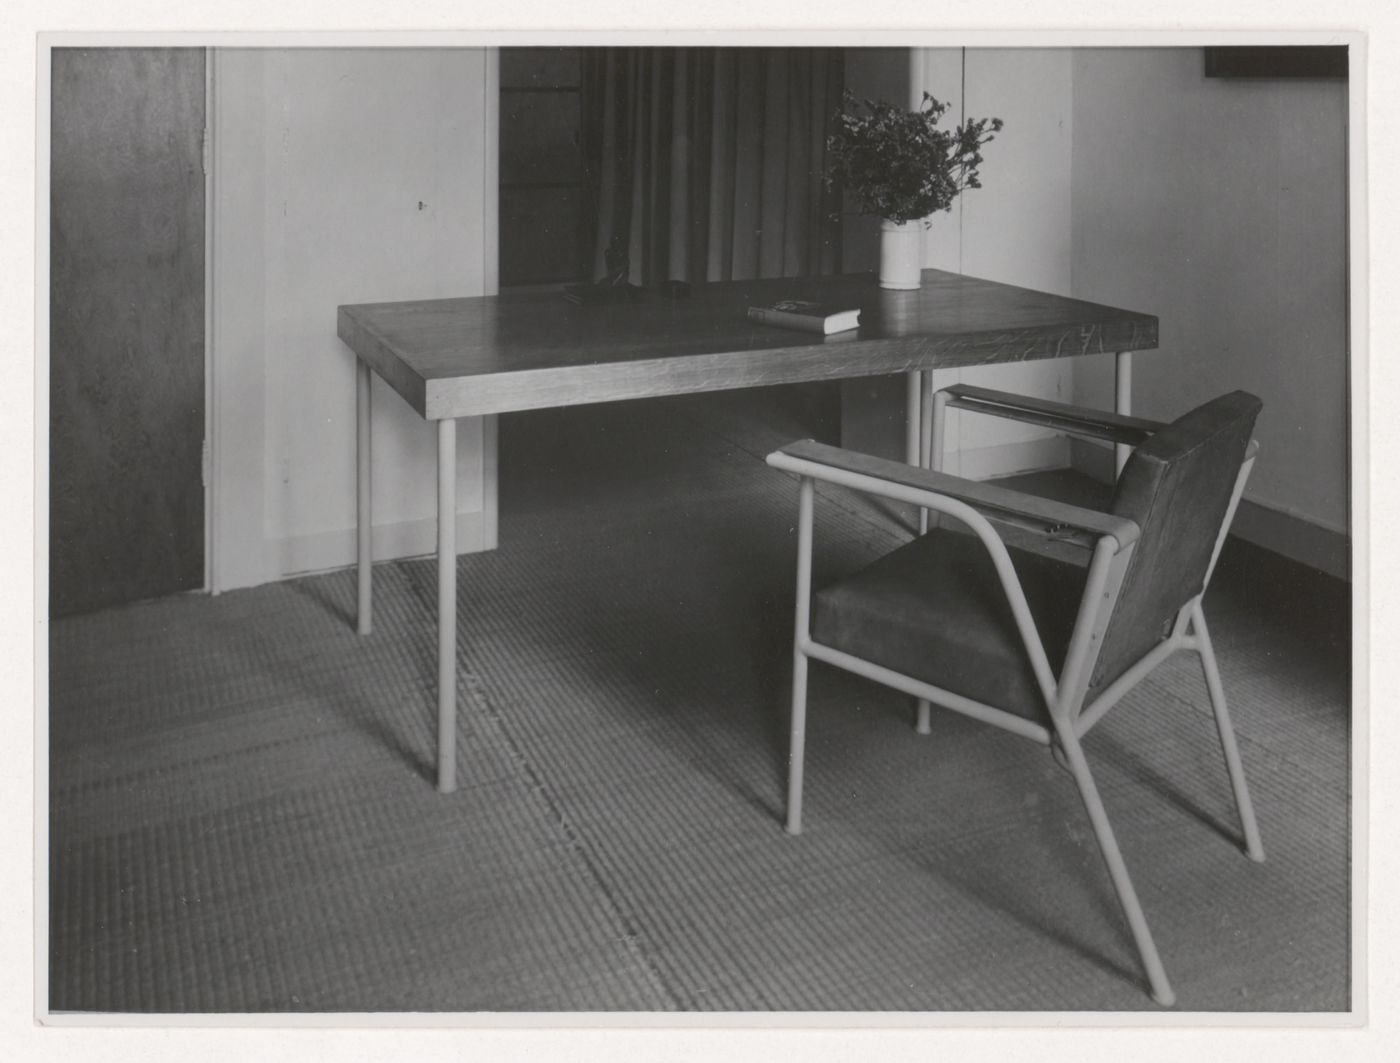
point(706, 163)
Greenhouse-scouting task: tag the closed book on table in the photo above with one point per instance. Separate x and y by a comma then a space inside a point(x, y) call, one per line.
point(806, 316)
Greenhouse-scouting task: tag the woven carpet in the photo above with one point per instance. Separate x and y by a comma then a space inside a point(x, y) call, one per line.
point(242, 816)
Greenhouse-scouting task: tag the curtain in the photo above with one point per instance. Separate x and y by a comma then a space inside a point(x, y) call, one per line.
point(706, 163)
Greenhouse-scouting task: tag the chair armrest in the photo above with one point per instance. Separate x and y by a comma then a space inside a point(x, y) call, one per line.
point(1072, 420)
point(881, 476)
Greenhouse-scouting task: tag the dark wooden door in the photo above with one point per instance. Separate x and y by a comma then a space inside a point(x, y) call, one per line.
point(126, 319)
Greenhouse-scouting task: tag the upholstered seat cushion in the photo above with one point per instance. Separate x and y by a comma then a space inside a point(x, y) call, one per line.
point(935, 610)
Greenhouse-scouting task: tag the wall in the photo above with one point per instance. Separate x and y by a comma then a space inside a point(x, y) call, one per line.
point(126, 326)
point(1015, 229)
point(1220, 206)
point(1125, 176)
point(340, 176)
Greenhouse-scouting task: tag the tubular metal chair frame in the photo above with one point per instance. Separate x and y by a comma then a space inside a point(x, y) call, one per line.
point(979, 505)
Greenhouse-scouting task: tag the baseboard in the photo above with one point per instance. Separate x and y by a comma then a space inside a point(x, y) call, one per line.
point(1278, 531)
point(1008, 459)
point(872, 421)
point(1295, 538)
point(299, 555)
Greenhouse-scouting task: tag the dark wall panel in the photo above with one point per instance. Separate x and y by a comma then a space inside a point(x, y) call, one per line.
point(539, 138)
point(126, 325)
point(540, 238)
point(540, 68)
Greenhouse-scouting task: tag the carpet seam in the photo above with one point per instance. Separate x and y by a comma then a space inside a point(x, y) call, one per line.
point(534, 781)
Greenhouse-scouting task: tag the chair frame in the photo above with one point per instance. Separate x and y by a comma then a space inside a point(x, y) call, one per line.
point(979, 505)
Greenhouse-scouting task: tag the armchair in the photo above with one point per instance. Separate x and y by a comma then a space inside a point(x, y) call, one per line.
point(1025, 639)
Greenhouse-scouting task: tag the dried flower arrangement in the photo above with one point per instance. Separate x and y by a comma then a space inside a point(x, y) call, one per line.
point(898, 164)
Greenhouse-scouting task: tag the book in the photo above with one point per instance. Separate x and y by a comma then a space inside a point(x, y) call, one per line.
point(806, 316)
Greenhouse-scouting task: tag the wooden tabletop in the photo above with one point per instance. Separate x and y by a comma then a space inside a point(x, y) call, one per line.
point(527, 350)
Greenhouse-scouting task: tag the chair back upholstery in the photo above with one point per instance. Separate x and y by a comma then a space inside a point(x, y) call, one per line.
point(1177, 487)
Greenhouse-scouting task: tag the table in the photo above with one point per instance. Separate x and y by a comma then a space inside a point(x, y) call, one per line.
point(451, 358)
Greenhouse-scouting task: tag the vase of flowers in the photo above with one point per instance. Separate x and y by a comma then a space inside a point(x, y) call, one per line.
point(900, 166)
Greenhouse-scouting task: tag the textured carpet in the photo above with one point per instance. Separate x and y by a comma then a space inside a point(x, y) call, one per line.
point(242, 816)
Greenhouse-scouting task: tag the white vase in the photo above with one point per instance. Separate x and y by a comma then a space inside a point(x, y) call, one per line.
point(901, 253)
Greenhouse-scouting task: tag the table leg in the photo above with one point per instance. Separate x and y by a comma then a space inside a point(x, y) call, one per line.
point(913, 418)
point(918, 436)
point(913, 421)
point(1122, 399)
point(926, 436)
point(364, 522)
point(447, 605)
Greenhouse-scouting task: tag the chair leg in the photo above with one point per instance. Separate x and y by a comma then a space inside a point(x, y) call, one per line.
point(1117, 870)
point(924, 725)
point(797, 741)
point(1253, 846)
point(797, 724)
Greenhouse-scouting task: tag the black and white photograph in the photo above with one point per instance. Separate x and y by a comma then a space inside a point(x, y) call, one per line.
point(703, 529)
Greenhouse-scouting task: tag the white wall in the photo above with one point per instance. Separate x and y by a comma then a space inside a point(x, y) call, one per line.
point(1014, 229)
point(1220, 206)
point(340, 176)
point(1122, 176)
point(1125, 176)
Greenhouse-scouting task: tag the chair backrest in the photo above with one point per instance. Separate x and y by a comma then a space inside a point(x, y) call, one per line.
point(1177, 487)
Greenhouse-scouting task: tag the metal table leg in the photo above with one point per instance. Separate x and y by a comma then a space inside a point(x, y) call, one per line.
point(364, 521)
point(916, 438)
point(447, 605)
point(1122, 400)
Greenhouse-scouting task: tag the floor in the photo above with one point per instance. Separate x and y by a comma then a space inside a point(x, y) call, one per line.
point(242, 816)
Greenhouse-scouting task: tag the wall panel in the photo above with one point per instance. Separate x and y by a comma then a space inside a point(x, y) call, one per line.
point(342, 175)
point(126, 312)
point(1221, 206)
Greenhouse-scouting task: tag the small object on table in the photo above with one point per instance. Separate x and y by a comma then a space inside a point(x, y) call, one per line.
point(595, 294)
point(806, 316)
point(614, 287)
